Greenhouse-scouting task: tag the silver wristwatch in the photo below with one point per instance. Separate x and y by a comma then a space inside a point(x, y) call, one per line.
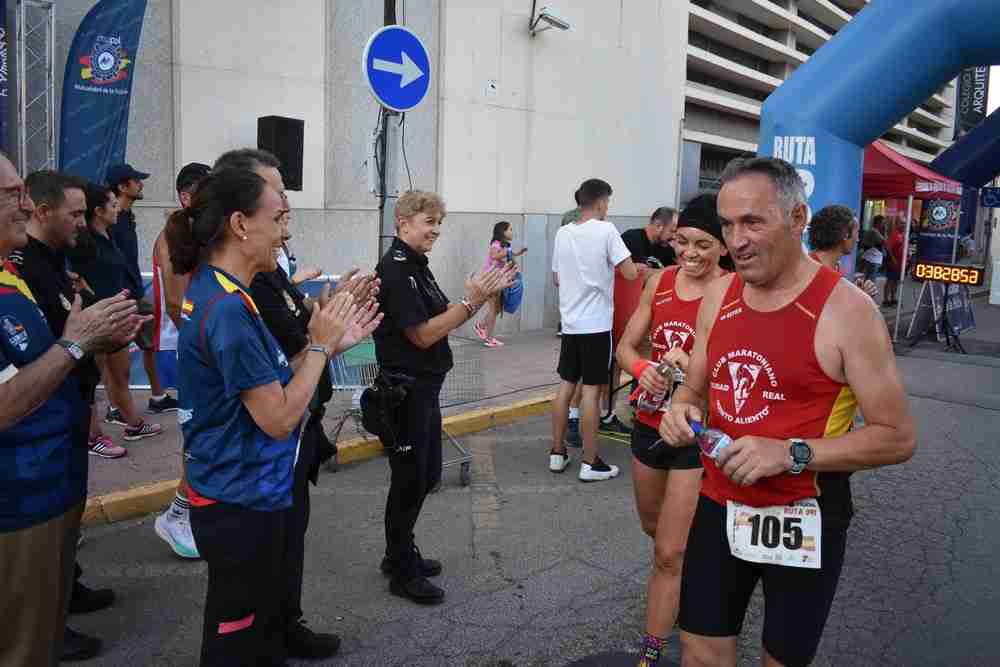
point(319, 348)
point(73, 348)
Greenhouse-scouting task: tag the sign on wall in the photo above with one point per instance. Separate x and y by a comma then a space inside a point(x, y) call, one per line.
point(397, 68)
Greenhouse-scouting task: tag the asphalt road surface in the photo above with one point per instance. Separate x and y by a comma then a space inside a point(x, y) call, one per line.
point(541, 569)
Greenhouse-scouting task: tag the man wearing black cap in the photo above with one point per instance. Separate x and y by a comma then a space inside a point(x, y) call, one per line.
point(174, 525)
point(127, 183)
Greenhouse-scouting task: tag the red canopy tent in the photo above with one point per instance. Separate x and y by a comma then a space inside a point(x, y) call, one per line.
point(889, 175)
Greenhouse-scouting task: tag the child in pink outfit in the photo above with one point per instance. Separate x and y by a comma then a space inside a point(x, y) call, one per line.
point(498, 256)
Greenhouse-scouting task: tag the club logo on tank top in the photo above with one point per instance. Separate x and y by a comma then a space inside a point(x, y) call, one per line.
point(750, 385)
point(668, 335)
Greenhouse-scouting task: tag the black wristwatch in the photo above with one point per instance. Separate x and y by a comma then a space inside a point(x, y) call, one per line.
point(73, 348)
point(801, 453)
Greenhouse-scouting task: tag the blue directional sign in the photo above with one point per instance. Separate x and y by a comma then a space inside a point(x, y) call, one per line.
point(397, 68)
point(990, 197)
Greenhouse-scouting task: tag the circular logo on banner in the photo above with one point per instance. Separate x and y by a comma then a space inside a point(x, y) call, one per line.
point(107, 63)
point(939, 216)
point(104, 60)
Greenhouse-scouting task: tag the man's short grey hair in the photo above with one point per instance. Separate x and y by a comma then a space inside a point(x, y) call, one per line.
point(247, 159)
point(786, 180)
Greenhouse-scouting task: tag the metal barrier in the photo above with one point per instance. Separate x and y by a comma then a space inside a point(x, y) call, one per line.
point(355, 370)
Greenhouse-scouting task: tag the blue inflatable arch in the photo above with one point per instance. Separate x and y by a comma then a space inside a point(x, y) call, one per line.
point(889, 58)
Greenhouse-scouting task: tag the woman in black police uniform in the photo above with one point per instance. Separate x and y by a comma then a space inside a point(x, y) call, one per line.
point(413, 341)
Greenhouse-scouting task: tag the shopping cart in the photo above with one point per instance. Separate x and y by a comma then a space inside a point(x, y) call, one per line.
point(355, 370)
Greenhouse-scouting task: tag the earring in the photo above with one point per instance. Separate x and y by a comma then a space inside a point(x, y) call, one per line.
point(244, 237)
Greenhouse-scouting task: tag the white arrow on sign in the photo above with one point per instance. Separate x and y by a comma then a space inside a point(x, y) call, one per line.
point(408, 70)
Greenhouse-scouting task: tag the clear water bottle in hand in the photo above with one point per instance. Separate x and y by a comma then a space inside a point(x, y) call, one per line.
point(652, 402)
point(711, 440)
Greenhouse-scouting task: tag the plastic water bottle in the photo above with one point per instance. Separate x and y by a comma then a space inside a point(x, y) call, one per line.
point(711, 440)
point(649, 402)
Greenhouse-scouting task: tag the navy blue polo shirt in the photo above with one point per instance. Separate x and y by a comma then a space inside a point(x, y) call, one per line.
point(127, 241)
point(43, 457)
point(99, 261)
point(225, 349)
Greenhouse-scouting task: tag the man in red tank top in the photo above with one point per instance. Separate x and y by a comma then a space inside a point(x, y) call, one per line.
point(785, 352)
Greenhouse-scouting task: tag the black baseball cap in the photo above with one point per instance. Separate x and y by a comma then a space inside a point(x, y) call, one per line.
point(119, 173)
point(191, 174)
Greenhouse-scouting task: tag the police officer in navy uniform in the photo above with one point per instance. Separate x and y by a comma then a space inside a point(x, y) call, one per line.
point(412, 342)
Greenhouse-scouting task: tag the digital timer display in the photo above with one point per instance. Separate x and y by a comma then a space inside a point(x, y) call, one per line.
point(949, 273)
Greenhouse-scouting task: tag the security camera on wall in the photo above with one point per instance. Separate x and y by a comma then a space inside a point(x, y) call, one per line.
point(551, 18)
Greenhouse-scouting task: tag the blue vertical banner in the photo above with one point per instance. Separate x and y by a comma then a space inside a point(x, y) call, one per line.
point(97, 88)
point(4, 77)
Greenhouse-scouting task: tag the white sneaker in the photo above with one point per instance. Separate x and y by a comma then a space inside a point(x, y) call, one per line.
point(176, 531)
point(597, 471)
point(558, 461)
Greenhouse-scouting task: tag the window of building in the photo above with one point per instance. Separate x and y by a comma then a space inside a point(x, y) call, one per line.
point(706, 43)
point(728, 86)
point(816, 22)
point(713, 163)
point(843, 7)
point(926, 129)
point(757, 27)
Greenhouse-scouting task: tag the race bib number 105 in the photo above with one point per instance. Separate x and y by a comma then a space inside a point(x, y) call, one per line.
point(789, 535)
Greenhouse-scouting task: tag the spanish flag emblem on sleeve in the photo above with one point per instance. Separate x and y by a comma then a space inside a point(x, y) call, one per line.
point(186, 309)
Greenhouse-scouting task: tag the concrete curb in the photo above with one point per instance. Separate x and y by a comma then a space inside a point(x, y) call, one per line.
point(149, 498)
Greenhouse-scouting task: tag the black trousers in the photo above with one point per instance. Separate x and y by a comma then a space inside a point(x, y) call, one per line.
point(298, 523)
point(416, 469)
point(245, 605)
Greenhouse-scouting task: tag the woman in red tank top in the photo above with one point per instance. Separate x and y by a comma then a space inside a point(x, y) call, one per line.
point(667, 479)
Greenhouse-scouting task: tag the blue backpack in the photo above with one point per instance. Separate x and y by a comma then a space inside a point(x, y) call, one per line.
point(512, 295)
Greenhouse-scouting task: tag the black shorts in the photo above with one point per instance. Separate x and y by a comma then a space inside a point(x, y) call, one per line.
point(716, 588)
point(650, 450)
point(586, 358)
point(144, 338)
